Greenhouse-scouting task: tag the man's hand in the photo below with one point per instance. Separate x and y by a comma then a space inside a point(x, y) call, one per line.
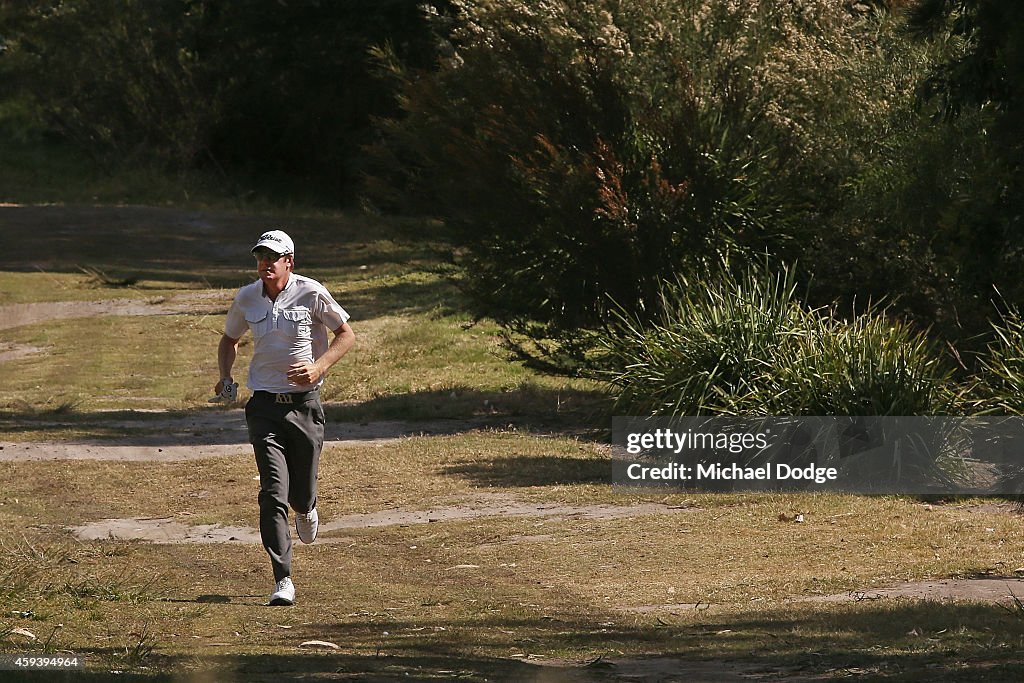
point(226, 389)
point(312, 372)
point(304, 373)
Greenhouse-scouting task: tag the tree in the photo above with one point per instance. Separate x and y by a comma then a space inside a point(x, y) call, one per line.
point(979, 88)
point(279, 89)
point(586, 152)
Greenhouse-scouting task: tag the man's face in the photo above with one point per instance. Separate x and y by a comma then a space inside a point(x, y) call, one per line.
point(271, 266)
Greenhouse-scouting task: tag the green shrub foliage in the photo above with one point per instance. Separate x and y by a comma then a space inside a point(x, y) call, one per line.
point(975, 91)
point(999, 388)
point(272, 89)
point(745, 345)
point(586, 151)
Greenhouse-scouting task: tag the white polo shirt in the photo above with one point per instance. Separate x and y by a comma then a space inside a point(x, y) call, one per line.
point(289, 330)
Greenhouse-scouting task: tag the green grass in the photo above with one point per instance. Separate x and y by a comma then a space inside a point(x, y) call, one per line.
point(402, 367)
point(420, 355)
point(109, 362)
point(41, 286)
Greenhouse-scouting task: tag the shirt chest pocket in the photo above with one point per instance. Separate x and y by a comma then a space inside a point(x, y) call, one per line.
point(297, 322)
point(259, 322)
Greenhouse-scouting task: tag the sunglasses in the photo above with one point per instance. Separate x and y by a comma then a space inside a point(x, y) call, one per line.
point(264, 254)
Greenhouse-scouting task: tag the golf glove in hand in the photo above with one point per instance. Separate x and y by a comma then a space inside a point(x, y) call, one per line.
point(228, 391)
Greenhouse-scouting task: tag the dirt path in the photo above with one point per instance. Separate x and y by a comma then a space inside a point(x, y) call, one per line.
point(12, 351)
point(18, 315)
point(169, 530)
point(982, 589)
point(1004, 590)
point(209, 434)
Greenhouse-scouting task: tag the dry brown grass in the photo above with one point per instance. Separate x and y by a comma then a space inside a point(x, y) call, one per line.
point(699, 578)
point(478, 592)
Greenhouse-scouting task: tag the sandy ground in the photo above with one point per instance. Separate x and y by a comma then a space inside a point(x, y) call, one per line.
point(210, 434)
point(168, 530)
point(17, 315)
point(222, 432)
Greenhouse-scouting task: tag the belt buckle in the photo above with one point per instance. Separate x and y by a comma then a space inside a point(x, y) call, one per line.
point(282, 398)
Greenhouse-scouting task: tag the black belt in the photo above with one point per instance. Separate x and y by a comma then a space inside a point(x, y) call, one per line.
point(289, 398)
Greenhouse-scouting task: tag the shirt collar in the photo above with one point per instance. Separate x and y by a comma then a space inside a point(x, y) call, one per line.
point(287, 286)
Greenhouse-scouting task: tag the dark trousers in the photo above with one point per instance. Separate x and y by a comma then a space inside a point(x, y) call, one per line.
point(287, 439)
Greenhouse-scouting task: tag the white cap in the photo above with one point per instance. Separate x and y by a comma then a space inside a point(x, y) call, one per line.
point(276, 240)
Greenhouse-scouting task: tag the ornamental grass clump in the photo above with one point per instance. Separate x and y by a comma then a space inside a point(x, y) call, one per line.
point(746, 345)
point(712, 350)
point(1000, 389)
point(867, 365)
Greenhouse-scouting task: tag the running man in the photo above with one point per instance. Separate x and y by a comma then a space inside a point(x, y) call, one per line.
point(289, 316)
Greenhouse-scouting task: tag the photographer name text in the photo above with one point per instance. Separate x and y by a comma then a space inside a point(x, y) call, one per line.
point(731, 472)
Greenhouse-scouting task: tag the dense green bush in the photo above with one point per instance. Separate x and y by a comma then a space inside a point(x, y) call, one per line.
point(586, 151)
point(931, 218)
point(745, 345)
point(247, 87)
point(113, 76)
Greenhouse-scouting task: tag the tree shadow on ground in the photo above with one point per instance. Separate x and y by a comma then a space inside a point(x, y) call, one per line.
point(886, 640)
point(533, 470)
point(528, 407)
point(208, 248)
point(908, 641)
point(439, 297)
point(449, 411)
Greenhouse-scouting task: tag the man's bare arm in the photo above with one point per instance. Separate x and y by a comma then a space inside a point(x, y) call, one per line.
point(227, 351)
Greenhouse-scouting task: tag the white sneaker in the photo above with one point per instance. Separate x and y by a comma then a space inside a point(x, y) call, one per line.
point(306, 526)
point(284, 593)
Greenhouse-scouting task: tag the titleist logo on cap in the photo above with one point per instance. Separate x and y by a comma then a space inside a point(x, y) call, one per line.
point(276, 240)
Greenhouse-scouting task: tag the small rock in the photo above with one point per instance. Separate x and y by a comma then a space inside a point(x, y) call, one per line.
point(321, 644)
